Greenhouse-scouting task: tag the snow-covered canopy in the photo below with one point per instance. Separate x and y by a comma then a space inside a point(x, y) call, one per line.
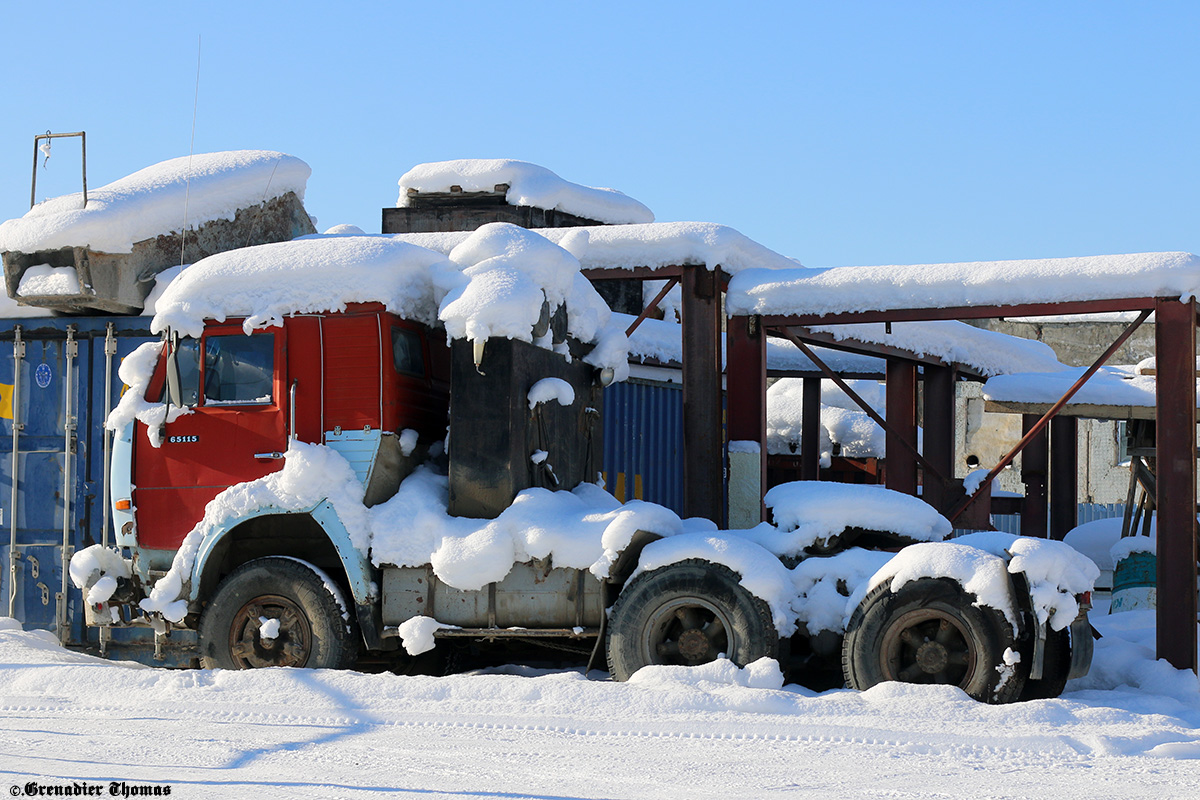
point(1050, 280)
point(151, 201)
point(1112, 393)
point(528, 185)
point(987, 352)
point(657, 244)
point(663, 340)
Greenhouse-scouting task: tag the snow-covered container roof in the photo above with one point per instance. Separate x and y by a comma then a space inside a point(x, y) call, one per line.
point(984, 283)
point(151, 201)
point(528, 185)
point(657, 244)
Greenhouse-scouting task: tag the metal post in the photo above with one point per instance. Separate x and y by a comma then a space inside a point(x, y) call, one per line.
point(14, 553)
point(70, 351)
point(1175, 350)
point(1064, 476)
point(746, 389)
point(703, 440)
point(902, 423)
point(110, 350)
point(1034, 461)
point(810, 429)
point(938, 410)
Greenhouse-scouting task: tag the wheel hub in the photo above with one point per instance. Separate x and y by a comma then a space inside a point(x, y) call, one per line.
point(693, 645)
point(932, 657)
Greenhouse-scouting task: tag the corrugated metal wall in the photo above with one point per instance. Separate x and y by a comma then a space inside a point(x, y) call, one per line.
point(1088, 512)
point(643, 442)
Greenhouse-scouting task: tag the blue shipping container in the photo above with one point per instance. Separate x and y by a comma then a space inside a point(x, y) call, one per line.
point(643, 442)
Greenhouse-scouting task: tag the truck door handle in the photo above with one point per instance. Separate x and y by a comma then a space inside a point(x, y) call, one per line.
point(273, 454)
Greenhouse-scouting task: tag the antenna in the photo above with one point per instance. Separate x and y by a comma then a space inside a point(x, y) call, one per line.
point(191, 150)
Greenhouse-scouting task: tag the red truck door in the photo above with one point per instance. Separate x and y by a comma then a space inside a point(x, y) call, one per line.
point(236, 388)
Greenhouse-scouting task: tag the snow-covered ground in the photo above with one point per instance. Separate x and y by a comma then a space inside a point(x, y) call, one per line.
point(1130, 729)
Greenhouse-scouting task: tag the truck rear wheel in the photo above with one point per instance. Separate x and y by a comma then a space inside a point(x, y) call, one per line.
point(687, 613)
point(276, 612)
point(929, 632)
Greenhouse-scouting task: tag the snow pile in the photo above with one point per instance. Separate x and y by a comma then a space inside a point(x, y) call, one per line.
point(266, 282)
point(135, 371)
point(843, 423)
point(1052, 280)
point(150, 202)
point(416, 634)
point(1129, 545)
point(823, 587)
point(528, 185)
point(551, 389)
point(760, 572)
point(656, 244)
point(761, 674)
point(986, 352)
point(662, 340)
point(810, 513)
point(978, 572)
point(311, 473)
point(494, 283)
point(95, 570)
point(582, 529)
point(1056, 571)
point(43, 279)
point(1110, 386)
point(1095, 540)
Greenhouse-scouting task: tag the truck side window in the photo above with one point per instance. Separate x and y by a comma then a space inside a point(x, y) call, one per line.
point(189, 370)
point(238, 370)
point(406, 352)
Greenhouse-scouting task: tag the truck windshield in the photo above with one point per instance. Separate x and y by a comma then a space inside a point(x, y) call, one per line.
point(238, 369)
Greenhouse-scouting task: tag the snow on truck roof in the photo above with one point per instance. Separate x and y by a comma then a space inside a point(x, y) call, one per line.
point(528, 185)
point(983, 283)
point(151, 201)
point(494, 283)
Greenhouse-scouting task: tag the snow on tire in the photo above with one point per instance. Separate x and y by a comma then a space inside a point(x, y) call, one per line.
point(687, 613)
point(276, 612)
point(929, 631)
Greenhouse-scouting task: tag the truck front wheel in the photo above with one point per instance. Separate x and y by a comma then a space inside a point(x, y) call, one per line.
point(276, 612)
point(929, 631)
point(687, 613)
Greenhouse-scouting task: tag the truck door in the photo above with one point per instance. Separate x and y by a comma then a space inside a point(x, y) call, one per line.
point(235, 386)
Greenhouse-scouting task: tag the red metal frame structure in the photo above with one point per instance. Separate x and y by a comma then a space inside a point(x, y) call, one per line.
point(1176, 441)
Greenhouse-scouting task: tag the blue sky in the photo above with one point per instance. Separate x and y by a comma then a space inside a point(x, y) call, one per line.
point(837, 133)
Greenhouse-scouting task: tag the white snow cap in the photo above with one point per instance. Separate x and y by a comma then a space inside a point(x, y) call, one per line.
point(1048, 280)
point(266, 282)
point(151, 201)
point(528, 185)
point(657, 244)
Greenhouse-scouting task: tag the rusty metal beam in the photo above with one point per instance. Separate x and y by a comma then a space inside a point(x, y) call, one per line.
point(810, 430)
point(703, 437)
point(1175, 351)
point(621, 273)
point(863, 404)
point(1064, 476)
point(1035, 462)
point(962, 312)
point(827, 340)
point(1054, 409)
point(901, 402)
point(658, 298)
point(938, 413)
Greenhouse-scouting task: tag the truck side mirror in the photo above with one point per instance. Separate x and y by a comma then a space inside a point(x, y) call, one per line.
point(174, 385)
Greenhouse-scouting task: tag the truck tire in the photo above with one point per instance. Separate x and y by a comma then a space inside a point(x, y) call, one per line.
point(929, 632)
point(1055, 667)
point(687, 613)
point(312, 629)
